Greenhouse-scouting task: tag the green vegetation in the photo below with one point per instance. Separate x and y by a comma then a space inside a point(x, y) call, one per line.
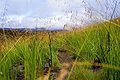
point(24, 55)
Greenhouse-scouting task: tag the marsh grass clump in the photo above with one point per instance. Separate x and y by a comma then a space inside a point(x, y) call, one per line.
point(26, 57)
point(96, 45)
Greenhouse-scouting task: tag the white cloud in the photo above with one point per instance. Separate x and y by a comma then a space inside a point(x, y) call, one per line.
point(59, 2)
point(31, 22)
point(51, 12)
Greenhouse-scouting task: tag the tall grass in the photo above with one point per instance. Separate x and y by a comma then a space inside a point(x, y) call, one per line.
point(27, 57)
point(99, 43)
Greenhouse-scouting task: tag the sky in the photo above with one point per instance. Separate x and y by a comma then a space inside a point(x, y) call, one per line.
point(54, 13)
